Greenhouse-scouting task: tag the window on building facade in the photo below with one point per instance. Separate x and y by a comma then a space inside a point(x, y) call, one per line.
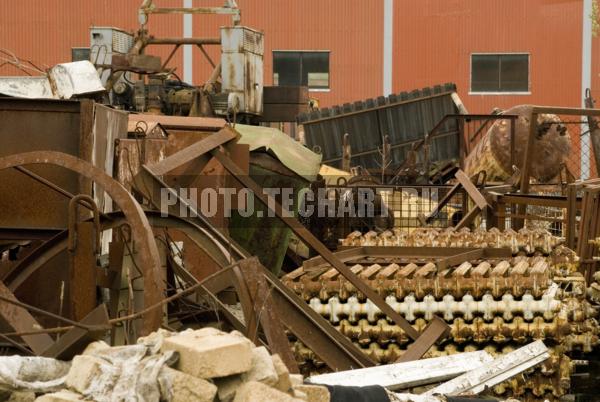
point(311, 69)
point(500, 73)
point(80, 53)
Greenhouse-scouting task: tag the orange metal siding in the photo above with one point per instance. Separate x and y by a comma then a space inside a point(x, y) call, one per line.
point(433, 41)
point(351, 30)
point(44, 32)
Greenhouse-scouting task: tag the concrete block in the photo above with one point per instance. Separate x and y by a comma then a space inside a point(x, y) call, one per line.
point(262, 369)
point(177, 386)
point(84, 369)
point(62, 396)
point(296, 379)
point(21, 396)
point(228, 387)
point(283, 375)
point(94, 347)
point(315, 393)
point(206, 331)
point(299, 395)
point(210, 356)
point(254, 391)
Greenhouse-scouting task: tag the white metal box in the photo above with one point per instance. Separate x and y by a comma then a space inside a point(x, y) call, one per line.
point(106, 41)
point(242, 68)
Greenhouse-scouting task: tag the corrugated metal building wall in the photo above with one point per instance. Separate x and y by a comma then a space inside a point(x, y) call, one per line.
point(435, 39)
point(432, 40)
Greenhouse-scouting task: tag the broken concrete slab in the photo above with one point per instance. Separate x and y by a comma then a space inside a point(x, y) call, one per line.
point(253, 391)
point(262, 369)
point(283, 375)
point(62, 396)
point(314, 393)
point(210, 356)
point(182, 387)
point(86, 369)
point(296, 379)
point(95, 347)
point(22, 396)
point(228, 386)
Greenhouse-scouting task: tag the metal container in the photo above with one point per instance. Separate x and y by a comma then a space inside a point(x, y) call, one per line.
point(242, 69)
point(106, 41)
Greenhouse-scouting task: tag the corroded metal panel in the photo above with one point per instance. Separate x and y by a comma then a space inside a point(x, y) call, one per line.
point(404, 117)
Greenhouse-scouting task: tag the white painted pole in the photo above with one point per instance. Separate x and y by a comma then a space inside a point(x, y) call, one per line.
point(388, 45)
point(188, 61)
point(586, 82)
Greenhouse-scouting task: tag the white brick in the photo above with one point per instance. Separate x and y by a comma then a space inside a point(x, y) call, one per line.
point(283, 375)
point(253, 391)
point(315, 393)
point(22, 396)
point(62, 396)
point(210, 356)
point(94, 347)
point(183, 387)
point(296, 379)
point(262, 369)
point(84, 369)
point(299, 394)
point(228, 387)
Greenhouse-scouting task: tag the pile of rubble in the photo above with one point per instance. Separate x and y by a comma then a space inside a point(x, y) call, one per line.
point(203, 365)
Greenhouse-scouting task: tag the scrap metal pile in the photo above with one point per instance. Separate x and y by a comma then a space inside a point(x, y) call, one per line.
point(492, 304)
point(110, 237)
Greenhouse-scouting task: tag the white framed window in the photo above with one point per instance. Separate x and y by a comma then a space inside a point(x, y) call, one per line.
point(500, 73)
point(301, 68)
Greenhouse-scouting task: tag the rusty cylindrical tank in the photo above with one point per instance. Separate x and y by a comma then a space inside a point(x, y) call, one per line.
point(492, 154)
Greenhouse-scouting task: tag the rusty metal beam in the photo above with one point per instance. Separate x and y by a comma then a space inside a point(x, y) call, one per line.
point(435, 330)
point(21, 320)
point(308, 238)
point(196, 150)
point(446, 256)
point(570, 111)
point(141, 232)
point(313, 330)
point(191, 10)
point(266, 311)
point(184, 41)
point(473, 192)
point(76, 339)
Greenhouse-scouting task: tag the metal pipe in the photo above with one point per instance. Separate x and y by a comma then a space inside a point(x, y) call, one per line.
point(44, 312)
point(183, 41)
point(192, 10)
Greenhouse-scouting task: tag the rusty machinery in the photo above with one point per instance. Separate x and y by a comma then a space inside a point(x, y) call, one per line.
point(490, 289)
point(233, 90)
